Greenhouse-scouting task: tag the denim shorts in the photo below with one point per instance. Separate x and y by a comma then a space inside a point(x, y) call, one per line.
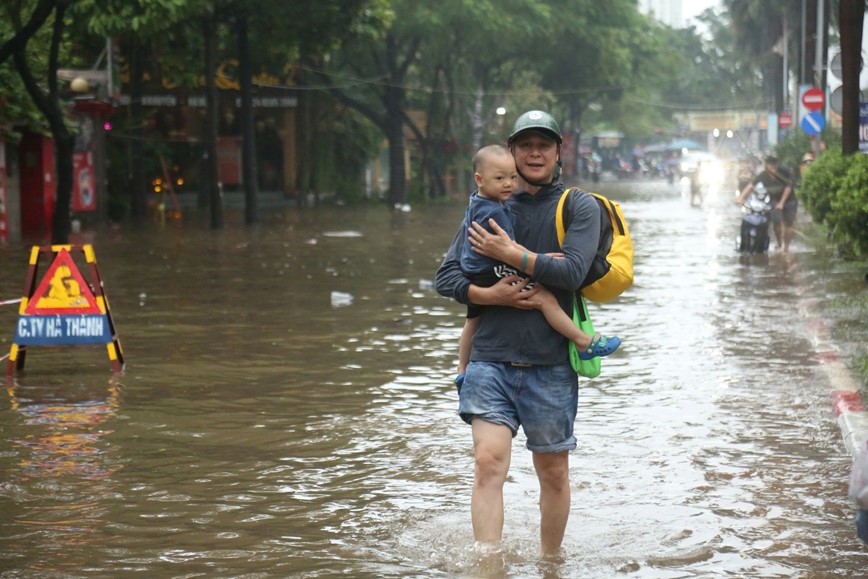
point(541, 399)
point(787, 214)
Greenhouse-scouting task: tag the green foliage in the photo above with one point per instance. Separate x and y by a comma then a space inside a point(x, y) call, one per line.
point(821, 182)
point(145, 18)
point(835, 191)
point(789, 150)
point(848, 218)
point(343, 149)
point(16, 106)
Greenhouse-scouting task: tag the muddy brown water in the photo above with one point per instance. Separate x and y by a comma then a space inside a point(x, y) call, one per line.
point(258, 430)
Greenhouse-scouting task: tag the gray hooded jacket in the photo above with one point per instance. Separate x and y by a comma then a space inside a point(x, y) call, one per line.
point(508, 334)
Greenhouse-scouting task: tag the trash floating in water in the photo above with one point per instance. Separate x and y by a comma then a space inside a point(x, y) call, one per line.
point(342, 234)
point(426, 284)
point(340, 299)
point(405, 207)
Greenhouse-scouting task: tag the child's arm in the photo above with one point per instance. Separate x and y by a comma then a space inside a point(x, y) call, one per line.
point(502, 247)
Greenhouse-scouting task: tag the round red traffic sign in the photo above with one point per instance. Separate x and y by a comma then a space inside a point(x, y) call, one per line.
point(785, 120)
point(814, 99)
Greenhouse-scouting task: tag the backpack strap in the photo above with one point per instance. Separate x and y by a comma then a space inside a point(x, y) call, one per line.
point(560, 221)
point(617, 224)
point(777, 176)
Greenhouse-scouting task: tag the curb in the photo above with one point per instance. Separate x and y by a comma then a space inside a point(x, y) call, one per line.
point(852, 418)
point(847, 403)
point(846, 399)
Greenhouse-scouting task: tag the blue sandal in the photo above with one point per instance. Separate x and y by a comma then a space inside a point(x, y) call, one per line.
point(600, 346)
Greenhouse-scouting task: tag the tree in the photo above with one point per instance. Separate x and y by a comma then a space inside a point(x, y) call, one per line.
point(387, 55)
point(758, 26)
point(149, 26)
point(23, 33)
point(248, 138)
point(49, 103)
point(464, 74)
point(852, 14)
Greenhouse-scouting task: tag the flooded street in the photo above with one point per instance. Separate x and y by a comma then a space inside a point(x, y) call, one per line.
point(261, 431)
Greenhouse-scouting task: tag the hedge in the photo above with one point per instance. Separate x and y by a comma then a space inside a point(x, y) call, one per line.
point(835, 193)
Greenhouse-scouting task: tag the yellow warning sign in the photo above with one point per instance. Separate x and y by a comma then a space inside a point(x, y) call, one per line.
point(62, 291)
point(64, 309)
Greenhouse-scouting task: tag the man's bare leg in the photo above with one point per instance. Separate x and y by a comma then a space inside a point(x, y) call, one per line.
point(492, 445)
point(779, 234)
point(788, 236)
point(553, 471)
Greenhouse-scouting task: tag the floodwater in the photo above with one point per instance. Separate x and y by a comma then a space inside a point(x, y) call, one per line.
point(258, 430)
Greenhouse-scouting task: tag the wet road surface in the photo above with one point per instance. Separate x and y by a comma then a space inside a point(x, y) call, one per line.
point(260, 431)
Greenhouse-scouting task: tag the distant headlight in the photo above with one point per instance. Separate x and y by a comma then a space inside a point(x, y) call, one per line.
point(711, 173)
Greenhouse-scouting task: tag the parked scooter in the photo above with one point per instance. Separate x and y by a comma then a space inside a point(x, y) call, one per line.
point(754, 238)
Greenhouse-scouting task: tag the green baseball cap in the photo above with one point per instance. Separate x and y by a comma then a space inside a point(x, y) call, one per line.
point(538, 121)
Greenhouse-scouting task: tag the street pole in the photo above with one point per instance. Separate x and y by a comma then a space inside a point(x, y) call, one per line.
point(819, 64)
point(804, 35)
point(786, 83)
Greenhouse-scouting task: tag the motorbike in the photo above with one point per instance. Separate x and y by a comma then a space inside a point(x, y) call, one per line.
point(754, 238)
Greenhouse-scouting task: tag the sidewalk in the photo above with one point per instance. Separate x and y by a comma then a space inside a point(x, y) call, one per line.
point(846, 392)
point(832, 352)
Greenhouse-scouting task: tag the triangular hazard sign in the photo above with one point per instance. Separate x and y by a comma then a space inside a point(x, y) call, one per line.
point(62, 291)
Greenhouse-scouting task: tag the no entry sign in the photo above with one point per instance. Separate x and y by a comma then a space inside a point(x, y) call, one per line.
point(814, 99)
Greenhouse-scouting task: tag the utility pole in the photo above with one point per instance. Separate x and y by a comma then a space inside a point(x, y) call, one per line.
point(786, 74)
point(819, 65)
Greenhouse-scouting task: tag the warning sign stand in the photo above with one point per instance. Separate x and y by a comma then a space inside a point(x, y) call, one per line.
point(64, 309)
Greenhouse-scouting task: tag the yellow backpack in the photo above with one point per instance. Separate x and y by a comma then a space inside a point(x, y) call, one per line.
point(611, 272)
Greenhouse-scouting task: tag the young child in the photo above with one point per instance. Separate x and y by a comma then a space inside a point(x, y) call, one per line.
point(496, 179)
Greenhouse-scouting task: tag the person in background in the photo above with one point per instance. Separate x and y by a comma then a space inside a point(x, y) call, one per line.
point(805, 164)
point(779, 183)
point(519, 375)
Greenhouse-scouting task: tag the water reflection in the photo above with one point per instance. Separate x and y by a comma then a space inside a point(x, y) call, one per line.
point(66, 438)
point(58, 465)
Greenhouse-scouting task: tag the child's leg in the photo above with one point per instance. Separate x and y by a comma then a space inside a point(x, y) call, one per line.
point(464, 343)
point(560, 321)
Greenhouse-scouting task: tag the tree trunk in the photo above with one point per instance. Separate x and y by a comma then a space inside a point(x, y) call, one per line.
point(137, 185)
point(211, 126)
point(306, 156)
point(809, 47)
point(397, 174)
point(393, 101)
point(851, 13)
point(49, 105)
point(248, 136)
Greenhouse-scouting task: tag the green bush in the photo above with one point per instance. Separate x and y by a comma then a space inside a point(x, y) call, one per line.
point(796, 143)
point(789, 150)
point(821, 183)
point(848, 218)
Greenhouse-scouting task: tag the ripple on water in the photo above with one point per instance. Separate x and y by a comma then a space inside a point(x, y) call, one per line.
point(261, 432)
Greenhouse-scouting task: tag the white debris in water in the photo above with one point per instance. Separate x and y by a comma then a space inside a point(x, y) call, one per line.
point(340, 299)
point(342, 234)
